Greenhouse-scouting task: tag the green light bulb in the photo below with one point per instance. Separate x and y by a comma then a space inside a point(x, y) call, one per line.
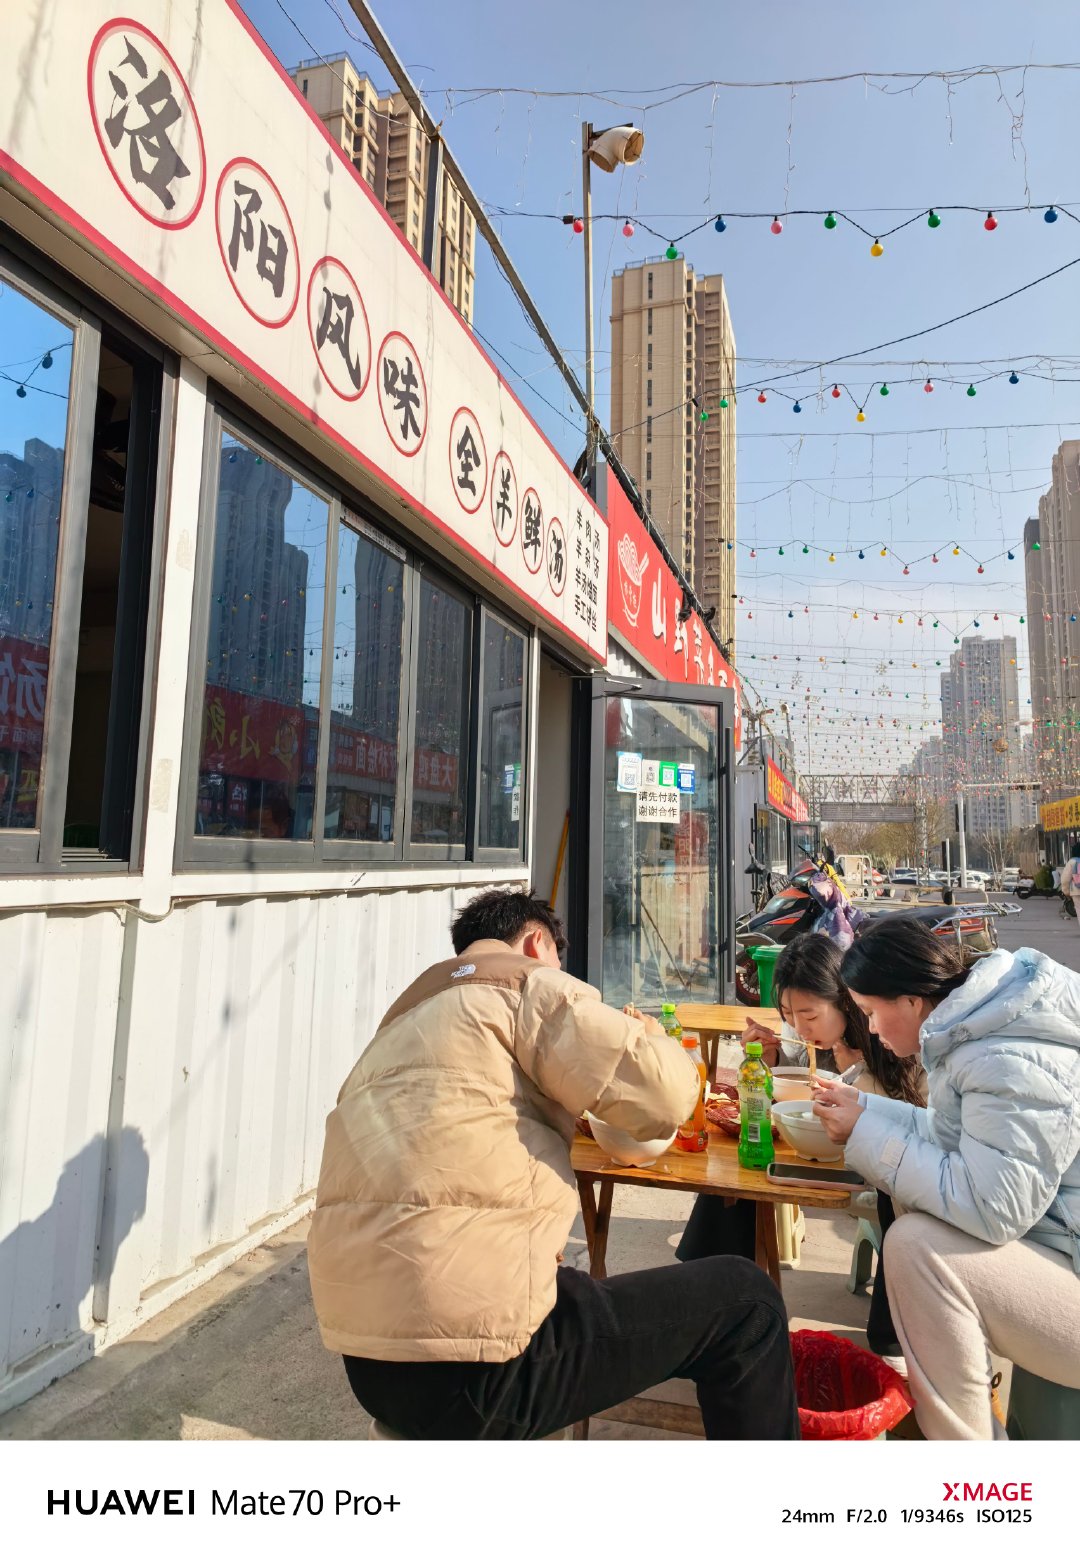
point(830, 220)
point(932, 219)
point(672, 253)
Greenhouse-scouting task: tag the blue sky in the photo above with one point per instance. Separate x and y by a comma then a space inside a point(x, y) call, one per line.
point(806, 295)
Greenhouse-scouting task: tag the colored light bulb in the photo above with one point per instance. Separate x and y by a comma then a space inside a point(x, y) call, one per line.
point(790, 614)
point(832, 559)
point(1014, 379)
point(1050, 215)
point(806, 548)
point(855, 615)
point(933, 559)
point(753, 553)
point(877, 248)
point(955, 551)
point(932, 219)
point(929, 386)
point(907, 570)
point(883, 389)
point(780, 550)
point(861, 554)
point(703, 417)
point(1011, 555)
point(761, 396)
point(900, 620)
point(971, 390)
point(723, 401)
point(980, 571)
point(672, 253)
point(796, 407)
point(1022, 619)
point(579, 226)
point(860, 417)
point(47, 361)
point(628, 230)
point(937, 624)
point(1036, 545)
point(990, 223)
point(884, 553)
point(720, 225)
point(836, 390)
point(830, 220)
point(776, 226)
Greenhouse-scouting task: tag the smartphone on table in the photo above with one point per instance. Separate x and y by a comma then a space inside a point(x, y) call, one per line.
point(796, 1175)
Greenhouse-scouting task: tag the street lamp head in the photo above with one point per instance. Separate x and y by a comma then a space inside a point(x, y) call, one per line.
point(620, 144)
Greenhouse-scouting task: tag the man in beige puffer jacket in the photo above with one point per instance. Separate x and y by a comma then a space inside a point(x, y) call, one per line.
point(446, 1197)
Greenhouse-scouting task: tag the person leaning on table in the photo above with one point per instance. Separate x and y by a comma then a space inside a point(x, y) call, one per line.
point(446, 1198)
point(986, 1256)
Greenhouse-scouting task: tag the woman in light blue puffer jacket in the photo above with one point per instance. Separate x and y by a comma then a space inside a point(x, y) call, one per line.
point(987, 1255)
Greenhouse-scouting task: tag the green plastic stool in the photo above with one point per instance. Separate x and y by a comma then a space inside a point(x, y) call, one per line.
point(765, 959)
point(867, 1244)
point(1041, 1410)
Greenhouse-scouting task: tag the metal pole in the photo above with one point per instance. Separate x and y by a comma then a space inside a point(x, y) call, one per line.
point(590, 373)
point(963, 837)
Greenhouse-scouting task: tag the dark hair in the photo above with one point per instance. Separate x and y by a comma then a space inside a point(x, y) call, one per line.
point(812, 963)
point(504, 915)
point(900, 956)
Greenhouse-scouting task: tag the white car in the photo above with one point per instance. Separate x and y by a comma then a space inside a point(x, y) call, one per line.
point(1010, 880)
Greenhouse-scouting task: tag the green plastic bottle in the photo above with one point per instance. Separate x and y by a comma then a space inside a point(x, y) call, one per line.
point(670, 1022)
point(755, 1108)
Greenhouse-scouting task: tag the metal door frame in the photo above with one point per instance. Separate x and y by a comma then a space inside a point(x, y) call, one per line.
point(588, 744)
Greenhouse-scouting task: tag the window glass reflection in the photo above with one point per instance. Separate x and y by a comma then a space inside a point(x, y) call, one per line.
point(260, 735)
point(501, 734)
point(440, 756)
point(35, 378)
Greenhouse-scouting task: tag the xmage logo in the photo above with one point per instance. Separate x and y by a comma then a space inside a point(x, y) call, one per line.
point(986, 1493)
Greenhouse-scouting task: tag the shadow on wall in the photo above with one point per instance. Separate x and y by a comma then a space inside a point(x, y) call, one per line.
point(49, 1266)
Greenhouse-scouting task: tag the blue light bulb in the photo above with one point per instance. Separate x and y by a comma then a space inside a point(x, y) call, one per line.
point(1014, 379)
point(720, 225)
point(1050, 216)
point(796, 407)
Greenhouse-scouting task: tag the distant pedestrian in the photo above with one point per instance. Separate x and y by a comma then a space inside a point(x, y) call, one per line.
point(1070, 877)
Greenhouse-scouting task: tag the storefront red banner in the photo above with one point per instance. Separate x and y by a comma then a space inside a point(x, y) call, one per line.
point(644, 599)
point(782, 795)
point(248, 736)
point(24, 677)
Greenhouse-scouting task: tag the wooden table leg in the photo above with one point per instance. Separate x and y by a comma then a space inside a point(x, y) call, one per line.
point(598, 1254)
point(766, 1248)
point(587, 1196)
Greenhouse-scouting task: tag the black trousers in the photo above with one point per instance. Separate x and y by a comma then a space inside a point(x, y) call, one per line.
point(720, 1322)
point(715, 1228)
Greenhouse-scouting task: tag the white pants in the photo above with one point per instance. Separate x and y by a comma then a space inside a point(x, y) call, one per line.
point(954, 1299)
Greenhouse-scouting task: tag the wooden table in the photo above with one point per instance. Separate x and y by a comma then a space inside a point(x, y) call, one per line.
point(716, 1021)
point(716, 1172)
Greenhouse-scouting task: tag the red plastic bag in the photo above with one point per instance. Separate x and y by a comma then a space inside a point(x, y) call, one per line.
point(843, 1391)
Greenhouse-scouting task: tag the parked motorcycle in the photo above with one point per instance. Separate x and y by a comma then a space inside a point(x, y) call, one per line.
point(794, 910)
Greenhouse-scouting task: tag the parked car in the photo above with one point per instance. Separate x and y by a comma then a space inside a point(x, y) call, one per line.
point(902, 875)
point(1010, 880)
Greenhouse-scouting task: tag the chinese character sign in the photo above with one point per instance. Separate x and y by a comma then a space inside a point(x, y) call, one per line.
point(257, 243)
point(174, 147)
point(402, 393)
point(146, 124)
point(468, 460)
point(337, 321)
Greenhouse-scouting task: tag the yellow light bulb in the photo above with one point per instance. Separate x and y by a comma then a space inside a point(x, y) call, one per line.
point(877, 248)
point(900, 620)
point(860, 417)
point(956, 551)
point(855, 615)
point(832, 559)
point(884, 552)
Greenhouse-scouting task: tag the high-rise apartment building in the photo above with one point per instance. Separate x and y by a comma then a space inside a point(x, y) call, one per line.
point(672, 359)
point(1052, 579)
point(389, 149)
point(980, 723)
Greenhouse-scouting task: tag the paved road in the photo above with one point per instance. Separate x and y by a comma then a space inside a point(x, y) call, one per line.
point(1042, 926)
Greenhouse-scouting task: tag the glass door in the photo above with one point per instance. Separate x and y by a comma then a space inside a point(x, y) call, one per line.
point(656, 879)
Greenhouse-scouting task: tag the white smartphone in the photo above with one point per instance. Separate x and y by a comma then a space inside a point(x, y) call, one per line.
point(797, 1176)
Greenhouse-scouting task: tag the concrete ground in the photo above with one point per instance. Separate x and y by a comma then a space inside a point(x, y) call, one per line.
point(241, 1357)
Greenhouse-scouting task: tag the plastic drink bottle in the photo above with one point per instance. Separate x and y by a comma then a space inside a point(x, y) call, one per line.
point(755, 1108)
point(693, 1134)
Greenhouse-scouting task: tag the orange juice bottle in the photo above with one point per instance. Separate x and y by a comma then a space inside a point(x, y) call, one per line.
point(693, 1135)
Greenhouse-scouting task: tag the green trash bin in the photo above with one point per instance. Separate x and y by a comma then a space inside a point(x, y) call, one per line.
point(765, 958)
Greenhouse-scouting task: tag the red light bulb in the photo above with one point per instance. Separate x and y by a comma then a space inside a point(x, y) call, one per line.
point(628, 230)
point(579, 226)
point(761, 396)
point(933, 559)
point(836, 390)
point(929, 386)
point(776, 226)
point(990, 223)
point(907, 572)
point(981, 571)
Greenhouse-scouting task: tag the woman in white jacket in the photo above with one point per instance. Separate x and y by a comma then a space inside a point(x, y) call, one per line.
point(987, 1255)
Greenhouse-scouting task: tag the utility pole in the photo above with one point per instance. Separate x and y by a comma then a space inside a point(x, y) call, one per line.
point(962, 835)
point(590, 371)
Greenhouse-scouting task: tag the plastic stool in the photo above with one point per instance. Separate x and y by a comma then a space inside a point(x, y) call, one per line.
point(867, 1244)
point(1039, 1409)
point(380, 1431)
point(790, 1232)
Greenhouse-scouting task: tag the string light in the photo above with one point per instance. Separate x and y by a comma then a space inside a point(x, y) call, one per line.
point(579, 226)
point(672, 253)
point(776, 226)
point(720, 225)
point(628, 230)
point(1050, 215)
point(836, 391)
point(877, 248)
point(830, 220)
point(932, 219)
point(990, 223)
point(929, 386)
